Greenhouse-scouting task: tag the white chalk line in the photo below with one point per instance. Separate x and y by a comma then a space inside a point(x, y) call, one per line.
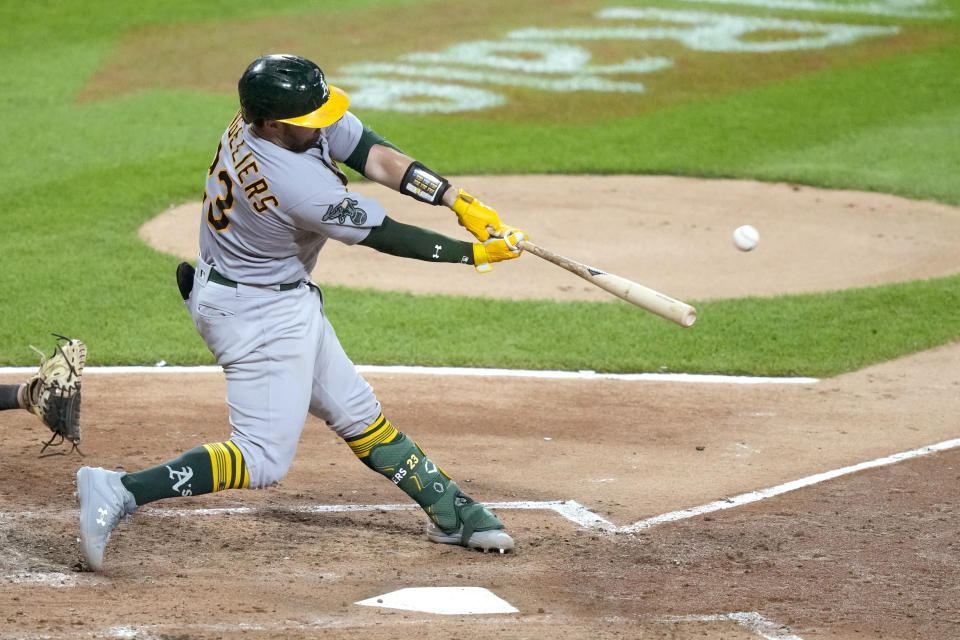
point(569, 509)
point(585, 374)
point(762, 494)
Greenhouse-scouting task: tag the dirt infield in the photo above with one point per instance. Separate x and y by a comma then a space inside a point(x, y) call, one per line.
point(581, 471)
point(871, 554)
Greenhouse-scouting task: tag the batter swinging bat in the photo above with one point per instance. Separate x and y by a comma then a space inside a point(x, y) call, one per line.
point(645, 298)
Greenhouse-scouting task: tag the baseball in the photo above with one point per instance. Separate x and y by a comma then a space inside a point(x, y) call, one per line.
point(745, 237)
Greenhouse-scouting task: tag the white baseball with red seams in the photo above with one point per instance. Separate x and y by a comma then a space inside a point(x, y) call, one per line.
point(746, 237)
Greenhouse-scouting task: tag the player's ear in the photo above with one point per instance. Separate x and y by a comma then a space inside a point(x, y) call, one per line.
point(266, 127)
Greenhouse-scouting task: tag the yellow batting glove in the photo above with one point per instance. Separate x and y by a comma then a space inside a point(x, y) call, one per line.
point(497, 249)
point(476, 217)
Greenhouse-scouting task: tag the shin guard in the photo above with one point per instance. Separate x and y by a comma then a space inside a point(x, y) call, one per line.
point(393, 454)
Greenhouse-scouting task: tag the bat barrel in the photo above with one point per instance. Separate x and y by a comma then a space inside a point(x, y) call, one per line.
point(646, 298)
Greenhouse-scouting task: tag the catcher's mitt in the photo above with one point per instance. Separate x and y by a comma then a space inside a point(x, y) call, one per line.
point(53, 392)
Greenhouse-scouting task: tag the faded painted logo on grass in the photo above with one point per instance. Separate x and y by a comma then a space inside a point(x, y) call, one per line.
point(561, 61)
point(476, 75)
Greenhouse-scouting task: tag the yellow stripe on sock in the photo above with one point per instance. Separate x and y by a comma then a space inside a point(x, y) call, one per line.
point(379, 432)
point(229, 470)
point(239, 468)
point(214, 466)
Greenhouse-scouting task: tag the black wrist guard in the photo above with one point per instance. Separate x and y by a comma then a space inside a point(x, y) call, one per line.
point(421, 183)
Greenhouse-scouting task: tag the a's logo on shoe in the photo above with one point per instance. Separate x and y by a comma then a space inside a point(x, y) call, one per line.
point(346, 209)
point(183, 476)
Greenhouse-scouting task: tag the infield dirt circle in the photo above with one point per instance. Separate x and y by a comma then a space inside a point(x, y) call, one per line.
point(574, 464)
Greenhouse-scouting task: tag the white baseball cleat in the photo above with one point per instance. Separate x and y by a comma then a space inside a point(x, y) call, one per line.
point(103, 502)
point(477, 527)
point(485, 540)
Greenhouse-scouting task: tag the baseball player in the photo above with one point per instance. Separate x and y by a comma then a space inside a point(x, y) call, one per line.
point(274, 196)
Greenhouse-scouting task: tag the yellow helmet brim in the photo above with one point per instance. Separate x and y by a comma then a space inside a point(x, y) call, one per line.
point(331, 111)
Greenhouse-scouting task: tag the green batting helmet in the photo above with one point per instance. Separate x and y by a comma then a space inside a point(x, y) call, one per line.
point(289, 89)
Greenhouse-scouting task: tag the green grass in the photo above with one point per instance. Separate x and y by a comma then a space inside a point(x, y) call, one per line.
point(819, 335)
point(79, 179)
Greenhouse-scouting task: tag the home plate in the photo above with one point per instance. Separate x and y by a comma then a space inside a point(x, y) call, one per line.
point(446, 600)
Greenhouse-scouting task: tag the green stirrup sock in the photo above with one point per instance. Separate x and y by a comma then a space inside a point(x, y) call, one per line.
point(203, 469)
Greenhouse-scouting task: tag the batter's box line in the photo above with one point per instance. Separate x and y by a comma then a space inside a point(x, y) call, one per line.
point(569, 509)
point(580, 515)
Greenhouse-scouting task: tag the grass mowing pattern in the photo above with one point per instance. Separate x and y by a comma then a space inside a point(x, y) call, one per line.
point(81, 178)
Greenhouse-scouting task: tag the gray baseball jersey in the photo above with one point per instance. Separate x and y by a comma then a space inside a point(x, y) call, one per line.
point(268, 211)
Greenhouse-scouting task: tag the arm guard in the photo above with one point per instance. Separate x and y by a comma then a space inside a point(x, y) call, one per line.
point(423, 184)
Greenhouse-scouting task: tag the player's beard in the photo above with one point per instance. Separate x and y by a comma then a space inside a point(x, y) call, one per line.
point(299, 143)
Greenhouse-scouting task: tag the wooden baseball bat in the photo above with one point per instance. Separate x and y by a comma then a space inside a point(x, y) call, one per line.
point(644, 297)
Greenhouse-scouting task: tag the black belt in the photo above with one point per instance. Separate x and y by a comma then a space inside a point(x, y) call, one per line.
point(216, 276)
